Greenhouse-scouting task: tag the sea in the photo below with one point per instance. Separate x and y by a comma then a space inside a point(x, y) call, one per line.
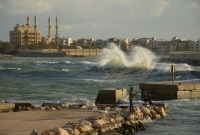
point(78, 79)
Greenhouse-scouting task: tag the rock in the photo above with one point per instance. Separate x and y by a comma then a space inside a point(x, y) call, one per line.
point(94, 108)
point(131, 118)
point(160, 110)
point(138, 113)
point(107, 108)
point(84, 107)
point(34, 133)
point(7, 106)
point(146, 110)
point(55, 105)
point(154, 114)
point(47, 132)
point(60, 131)
point(111, 133)
point(98, 123)
point(25, 105)
point(53, 108)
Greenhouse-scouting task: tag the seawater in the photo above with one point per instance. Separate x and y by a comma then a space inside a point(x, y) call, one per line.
point(78, 80)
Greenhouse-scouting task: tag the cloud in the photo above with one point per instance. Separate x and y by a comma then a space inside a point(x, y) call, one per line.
point(193, 5)
point(160, 7)
point(1, 6)
point(29, 6)
point(150, 9)
point(67, 27)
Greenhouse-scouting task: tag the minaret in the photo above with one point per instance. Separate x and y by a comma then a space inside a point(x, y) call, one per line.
point(28, 21)
point(36, 25)
point(49, 36)
point(57, 35)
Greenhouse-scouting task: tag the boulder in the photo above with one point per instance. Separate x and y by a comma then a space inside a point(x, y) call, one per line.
point(131, 118)
point(138, 113)
point(6, 106)
point(34, 133)
point(60, 131)
point(160, 110)
point(55, 105)
point(154, 114)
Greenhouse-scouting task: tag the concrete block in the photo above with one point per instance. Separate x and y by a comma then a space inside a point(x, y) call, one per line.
point(7, 106)
point(110, 95)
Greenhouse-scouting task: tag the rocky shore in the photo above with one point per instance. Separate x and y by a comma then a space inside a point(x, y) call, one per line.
point(108, 120)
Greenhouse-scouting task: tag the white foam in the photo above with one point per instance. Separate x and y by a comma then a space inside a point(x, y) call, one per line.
point(88, 63)
point(113, 56)
point(68, 62)
point(65, 69)
point(96, 80)
point(46, 62)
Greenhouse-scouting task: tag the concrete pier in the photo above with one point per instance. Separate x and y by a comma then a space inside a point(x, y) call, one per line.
point(188, 89)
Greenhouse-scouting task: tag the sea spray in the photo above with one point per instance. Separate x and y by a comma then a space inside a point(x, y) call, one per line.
point(138, 57)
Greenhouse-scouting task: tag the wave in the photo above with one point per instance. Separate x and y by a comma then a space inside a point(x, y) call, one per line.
point(65, 69)
point(68, 62)
point(46, 62)
point(165, 67)
point(138, 57)
point(88, 63)
point(96, 80)
point(10, 68)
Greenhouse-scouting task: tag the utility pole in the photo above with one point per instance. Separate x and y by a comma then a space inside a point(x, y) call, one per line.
point(172, 70)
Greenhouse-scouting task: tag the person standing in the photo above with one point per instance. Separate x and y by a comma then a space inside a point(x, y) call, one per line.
point(132, 95)
point(147, 98)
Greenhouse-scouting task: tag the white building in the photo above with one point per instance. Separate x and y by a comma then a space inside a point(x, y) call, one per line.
point(195, 46)
point(69, 41)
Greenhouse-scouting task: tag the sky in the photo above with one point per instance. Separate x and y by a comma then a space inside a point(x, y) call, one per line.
point(103, 19)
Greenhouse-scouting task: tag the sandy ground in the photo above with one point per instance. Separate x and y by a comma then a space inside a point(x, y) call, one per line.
point(23, 123)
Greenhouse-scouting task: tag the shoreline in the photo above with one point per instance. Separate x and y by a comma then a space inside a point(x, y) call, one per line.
point(24, 122)
point(24, 118)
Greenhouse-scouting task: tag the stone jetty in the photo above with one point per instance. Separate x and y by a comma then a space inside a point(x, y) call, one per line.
point(110, 121)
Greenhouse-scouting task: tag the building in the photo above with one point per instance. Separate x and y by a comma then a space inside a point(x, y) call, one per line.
point(25, 34)
point(195, 46)
point(69, 41)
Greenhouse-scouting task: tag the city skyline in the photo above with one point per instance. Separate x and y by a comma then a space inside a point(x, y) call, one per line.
point(107, 18)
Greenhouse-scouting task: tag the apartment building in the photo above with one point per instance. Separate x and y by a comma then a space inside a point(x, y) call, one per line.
point(25, 34)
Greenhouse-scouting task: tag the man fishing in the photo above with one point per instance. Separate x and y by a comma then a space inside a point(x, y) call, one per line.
point(132, 95)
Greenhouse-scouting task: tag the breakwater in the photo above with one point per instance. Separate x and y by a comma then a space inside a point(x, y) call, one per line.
point(118, 122)
point(111, 119)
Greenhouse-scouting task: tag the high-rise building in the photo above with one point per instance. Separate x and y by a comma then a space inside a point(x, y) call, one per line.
point(26, 34)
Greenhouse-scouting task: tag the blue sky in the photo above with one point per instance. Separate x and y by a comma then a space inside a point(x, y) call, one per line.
point(103, 19)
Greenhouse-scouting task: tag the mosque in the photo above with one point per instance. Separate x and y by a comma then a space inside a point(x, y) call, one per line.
point(26, 34)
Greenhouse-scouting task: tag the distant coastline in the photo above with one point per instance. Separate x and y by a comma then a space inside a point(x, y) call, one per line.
point(6, 55)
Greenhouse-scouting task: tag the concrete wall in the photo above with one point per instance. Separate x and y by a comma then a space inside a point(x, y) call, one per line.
point(161, 91)
point(83, 52)
point(110, 96)
point(185, 55)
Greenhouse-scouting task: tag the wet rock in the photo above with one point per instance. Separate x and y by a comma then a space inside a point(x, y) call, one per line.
point(154, 114)
point(160, 110)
